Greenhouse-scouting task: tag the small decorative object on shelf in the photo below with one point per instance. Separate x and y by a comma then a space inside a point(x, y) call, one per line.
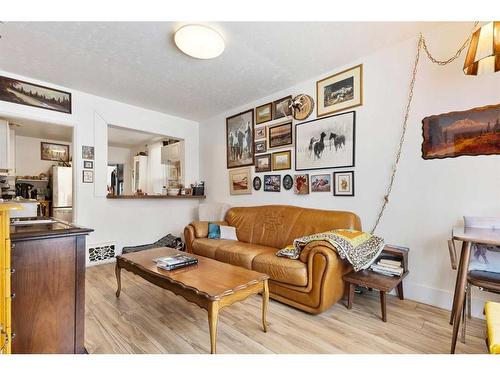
point(385, 274)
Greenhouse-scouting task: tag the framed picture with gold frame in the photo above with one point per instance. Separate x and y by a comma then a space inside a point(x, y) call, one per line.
point(340, 91)
point(282, 160)
point(264, 113)
point(239, 181)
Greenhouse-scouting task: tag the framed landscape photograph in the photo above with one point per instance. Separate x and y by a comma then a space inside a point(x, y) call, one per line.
point(264, 113)
point(260, 147)
point(343, 184)
point(239, 139)
point(54, 152)
point(321, 183)
point(239, 181)
point(327, 142)
point(272, 182)
point(282, 160)
point(301, 184)
point(262, 163)
point(25, 93)
point(281, 107)
point(280, 135)
point(472, 132)
point(260, 133)
point(340, 91)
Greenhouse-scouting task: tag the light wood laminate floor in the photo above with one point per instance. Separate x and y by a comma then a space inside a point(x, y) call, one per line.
point(148, 319)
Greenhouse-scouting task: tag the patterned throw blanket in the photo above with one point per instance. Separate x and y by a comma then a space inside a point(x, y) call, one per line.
point(360, 249)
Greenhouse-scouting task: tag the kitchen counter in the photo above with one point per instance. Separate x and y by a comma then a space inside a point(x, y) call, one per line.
point(38, 231)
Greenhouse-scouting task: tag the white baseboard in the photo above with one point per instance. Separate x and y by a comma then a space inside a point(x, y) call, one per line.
point(444, 298)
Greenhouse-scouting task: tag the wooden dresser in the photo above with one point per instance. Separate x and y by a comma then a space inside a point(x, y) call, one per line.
point(48, 288)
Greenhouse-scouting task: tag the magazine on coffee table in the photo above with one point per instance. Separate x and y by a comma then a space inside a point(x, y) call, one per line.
point(175, 261)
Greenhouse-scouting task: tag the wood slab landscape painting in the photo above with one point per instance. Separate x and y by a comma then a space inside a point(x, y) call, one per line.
point(472, 132)
point(20, 92)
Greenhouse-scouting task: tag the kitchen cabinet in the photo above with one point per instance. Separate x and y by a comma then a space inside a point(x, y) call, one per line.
point(48, 288)
point(172, 156)
point(7, 147)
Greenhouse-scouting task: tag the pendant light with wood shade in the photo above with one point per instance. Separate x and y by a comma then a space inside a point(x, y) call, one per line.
point(483, 56)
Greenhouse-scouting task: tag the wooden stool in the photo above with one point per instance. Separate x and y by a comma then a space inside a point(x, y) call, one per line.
point(382, 283)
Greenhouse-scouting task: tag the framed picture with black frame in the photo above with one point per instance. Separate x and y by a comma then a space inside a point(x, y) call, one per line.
point(326, 142)
point(343, 184)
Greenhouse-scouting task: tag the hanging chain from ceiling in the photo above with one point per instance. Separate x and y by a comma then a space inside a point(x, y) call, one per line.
point(420, 45)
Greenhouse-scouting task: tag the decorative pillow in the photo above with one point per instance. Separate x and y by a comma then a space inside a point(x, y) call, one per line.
point(289, 252)
point(213, 230)
point(228, 233)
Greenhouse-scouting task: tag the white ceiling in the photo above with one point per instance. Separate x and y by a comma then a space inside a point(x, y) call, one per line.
point(42, 130)
point(128, 138)
point(137, 62)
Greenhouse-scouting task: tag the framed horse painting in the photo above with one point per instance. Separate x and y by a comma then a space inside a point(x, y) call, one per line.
point(326, 142)
point(239, 139)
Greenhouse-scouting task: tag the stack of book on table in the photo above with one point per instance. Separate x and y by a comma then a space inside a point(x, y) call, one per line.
point(175, 261)
point(388, 267)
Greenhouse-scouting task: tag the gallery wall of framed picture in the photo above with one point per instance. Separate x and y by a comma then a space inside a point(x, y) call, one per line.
point(284, 140)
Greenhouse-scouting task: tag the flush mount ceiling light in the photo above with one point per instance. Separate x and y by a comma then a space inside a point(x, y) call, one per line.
point(199, 41)
point(484, 50)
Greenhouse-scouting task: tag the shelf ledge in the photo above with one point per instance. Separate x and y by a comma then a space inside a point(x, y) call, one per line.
point(156, 196)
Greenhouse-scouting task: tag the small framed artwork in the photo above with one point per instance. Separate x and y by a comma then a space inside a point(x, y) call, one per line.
point(87, 177)
point(87, 164)
point(272, 182)
point(54, 152)
point(257, 183)
point(263, 163)
point(343, 184)
point(260, 133)
point(281, 135)
point(88, 152)
point(321, 183)
point(287, 182)
point(301, 184)
point(239, 181)
point(282, 160)
point(340, 91)
point(260, 147)
point(327, 142)
point(264, 113)
point(281, 107)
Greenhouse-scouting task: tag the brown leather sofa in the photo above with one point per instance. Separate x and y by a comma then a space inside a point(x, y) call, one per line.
point(312, 283)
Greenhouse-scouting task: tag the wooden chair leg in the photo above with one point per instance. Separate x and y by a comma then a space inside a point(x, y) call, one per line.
point(401, 294)
point(464, 323)
point(383, 306)
point(469, 301)
point(350, 297)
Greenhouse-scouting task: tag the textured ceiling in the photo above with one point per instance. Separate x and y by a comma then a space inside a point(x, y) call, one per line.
point(137, 62)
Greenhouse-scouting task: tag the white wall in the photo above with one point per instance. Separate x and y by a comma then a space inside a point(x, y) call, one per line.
point(28, 156)
point(124, 222)
point(429, 196)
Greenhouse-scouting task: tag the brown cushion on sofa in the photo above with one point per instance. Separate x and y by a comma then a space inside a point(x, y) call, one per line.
point(285, 270)
point(240, 253)
point(206, 247)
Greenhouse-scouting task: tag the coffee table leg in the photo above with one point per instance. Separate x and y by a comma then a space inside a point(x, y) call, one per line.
point(265, 302)
point(118, 273)
point(213, 318)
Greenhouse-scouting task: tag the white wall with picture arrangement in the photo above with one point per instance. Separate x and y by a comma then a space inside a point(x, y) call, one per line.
point(121, 222)
point(429, 196)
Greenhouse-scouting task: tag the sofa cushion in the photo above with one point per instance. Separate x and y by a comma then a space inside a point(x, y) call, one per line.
point(285, 270)
point(240, 253)
point(206, 247)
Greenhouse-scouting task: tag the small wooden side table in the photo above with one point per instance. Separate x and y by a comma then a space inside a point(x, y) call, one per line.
point(382, 283)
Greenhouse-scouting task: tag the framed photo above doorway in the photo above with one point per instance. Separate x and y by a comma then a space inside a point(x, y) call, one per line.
point(54, 152)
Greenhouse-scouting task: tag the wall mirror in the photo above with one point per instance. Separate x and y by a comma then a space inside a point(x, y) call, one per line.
point(143, 163)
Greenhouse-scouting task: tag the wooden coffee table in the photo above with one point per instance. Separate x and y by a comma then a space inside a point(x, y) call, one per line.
point(210, 284)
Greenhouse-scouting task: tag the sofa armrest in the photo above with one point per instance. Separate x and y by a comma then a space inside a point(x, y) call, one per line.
point(306, 251)
point(197, 229)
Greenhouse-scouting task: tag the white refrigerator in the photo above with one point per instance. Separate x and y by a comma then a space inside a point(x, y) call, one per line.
point(62, 193)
